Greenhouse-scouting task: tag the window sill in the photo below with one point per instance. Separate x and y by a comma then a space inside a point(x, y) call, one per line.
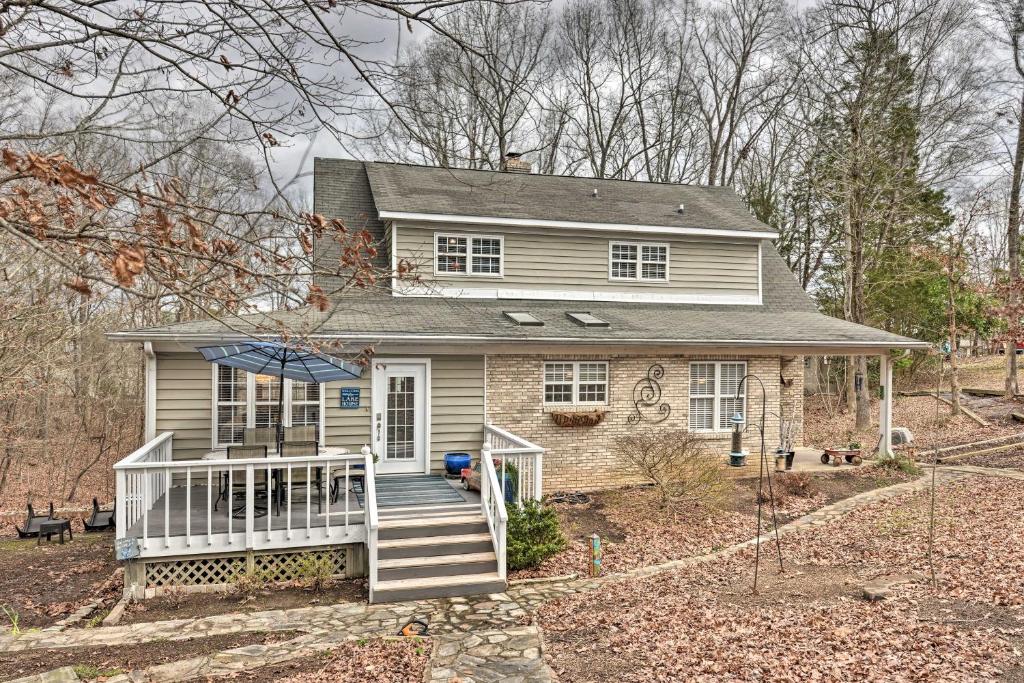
point(570, 407)
point(636, 281)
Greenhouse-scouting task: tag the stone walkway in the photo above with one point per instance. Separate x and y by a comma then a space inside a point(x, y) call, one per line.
point(474, 639)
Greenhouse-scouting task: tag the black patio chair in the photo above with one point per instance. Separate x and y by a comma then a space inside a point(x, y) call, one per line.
point(302, 449)
point(33, 522)
point(99, 520)
point(260, 481)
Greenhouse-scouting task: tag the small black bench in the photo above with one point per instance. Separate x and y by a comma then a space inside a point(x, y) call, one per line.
point(54, 526)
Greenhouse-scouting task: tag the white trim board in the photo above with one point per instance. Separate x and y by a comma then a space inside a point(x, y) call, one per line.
point(176, 342)
point(575, 295)
point(580, 225)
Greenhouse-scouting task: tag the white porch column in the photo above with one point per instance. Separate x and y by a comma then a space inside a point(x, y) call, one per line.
point(885, 409)
point(149, 396)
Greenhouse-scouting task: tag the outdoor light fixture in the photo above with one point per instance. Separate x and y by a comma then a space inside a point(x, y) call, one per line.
point(737, 458)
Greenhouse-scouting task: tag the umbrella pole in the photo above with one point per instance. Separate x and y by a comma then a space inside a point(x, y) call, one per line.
point(280, 408)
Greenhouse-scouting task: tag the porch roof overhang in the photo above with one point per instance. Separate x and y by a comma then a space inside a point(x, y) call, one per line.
point(421, 323)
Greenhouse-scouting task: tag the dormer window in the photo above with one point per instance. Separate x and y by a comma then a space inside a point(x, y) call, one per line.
point(467, 254)
point(638, 261)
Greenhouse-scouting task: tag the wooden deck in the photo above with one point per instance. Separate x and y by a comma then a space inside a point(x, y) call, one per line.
point(189, 512)
point(177, 523)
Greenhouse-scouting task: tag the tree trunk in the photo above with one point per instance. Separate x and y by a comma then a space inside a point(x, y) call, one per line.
point(863, 396)
point(1013, 250)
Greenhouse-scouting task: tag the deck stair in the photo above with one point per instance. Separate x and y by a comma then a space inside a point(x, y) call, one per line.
point(434, 551)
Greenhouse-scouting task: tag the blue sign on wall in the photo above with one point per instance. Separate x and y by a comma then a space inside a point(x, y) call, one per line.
point(350, 397)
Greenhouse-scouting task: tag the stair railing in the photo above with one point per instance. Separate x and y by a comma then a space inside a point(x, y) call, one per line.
point(372, 522)
point(492, 501)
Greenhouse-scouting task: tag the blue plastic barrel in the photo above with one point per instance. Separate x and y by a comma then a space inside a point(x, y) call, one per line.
point(455, 462)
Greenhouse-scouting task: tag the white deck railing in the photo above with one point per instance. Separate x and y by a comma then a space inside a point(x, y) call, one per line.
point(136, 491)
point(523, 460)
point(372, 522)
point(492, 501)
point(189, 506)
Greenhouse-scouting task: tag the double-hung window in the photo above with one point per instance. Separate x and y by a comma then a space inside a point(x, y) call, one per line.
point(638, 261)
point(246, 400)
point(576, 383)
point(232, 406)
point(465, 254)
point(713, 394)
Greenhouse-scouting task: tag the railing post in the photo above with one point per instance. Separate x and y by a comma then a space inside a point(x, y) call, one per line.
point(121, 503)
point(370, 512)
point(485, 481)
point(538, 475)
point(250, 499)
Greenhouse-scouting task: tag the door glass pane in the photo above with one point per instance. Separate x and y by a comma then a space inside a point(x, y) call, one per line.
point(401, 419)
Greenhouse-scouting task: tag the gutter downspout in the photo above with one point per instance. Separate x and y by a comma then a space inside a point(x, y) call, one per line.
point(150, 392)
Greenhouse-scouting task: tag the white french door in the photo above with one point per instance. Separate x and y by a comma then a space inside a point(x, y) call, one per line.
point(400, 416)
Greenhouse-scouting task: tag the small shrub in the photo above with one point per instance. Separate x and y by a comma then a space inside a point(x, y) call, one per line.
point(679, 463)
point(533, 534)
point(316, 572)
point(899, 461)
point(249, 582)
point(798, 484)
point(13, 617)
point(175, 596)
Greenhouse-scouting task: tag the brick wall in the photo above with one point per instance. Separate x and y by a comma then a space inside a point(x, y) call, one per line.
point(584, 457)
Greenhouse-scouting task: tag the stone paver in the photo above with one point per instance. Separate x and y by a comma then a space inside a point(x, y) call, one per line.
point(65, 674)
point(513, 655)
point(479, 638)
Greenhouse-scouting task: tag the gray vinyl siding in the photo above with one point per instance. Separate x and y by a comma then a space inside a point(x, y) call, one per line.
point(348, 427)
point(456, 402)
point(578, 261)
point(184, 396)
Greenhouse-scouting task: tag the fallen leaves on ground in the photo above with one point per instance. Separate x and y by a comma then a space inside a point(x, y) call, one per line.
point(704, 624)
point(826, 427)
point(376, 661)
point(636, 531)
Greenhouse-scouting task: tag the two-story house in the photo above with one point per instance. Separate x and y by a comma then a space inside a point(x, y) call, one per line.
point(549, 315)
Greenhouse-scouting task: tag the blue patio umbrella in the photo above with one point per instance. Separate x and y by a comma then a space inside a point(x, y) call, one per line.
point(281, 360)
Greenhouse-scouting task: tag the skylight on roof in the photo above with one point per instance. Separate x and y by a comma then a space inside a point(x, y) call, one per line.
point(524, 319)
point(587, 320)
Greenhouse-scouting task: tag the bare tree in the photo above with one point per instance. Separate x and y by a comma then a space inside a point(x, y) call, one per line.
point(117, 77)
point(456, 107)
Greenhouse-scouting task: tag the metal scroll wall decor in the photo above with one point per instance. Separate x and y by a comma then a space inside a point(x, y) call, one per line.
point(647, 403)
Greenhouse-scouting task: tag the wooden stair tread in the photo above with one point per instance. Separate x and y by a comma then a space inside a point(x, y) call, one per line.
point(438, 581)
point(433, 540)
point(464, 558)
point(433, 520)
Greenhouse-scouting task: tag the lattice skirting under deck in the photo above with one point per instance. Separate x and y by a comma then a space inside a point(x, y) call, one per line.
point(220, 572)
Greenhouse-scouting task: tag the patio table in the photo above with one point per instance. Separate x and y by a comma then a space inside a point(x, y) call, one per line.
point(221, 454)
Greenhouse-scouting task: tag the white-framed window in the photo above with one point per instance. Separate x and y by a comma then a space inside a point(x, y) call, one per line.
point(713, 394)
point(467, 254)
point(305, 404)
point(638, 261)
point(242, 399)
point(231, 392)
point(576, 383)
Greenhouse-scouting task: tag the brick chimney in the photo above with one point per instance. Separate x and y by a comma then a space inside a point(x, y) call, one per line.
point(514, 163)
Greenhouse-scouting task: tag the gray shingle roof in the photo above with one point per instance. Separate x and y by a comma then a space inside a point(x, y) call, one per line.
point(787, 316)
point(427, 189)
